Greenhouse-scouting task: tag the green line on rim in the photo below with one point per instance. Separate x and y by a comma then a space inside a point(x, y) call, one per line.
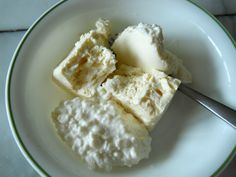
point(233, 152)
point(226, 162)
point(8, 84)
point(215, 19)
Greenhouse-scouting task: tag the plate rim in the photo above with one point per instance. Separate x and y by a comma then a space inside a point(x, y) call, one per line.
point(28, 156)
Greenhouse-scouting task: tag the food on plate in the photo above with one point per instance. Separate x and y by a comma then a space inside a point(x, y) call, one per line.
point(102, 132)
point(145, 95)
point(142, 46)
point(89, 63)
point(120, 96)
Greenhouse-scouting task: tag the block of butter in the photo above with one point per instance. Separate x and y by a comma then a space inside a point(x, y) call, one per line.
point(89, 62)
point(142, 46)
point(145, 95)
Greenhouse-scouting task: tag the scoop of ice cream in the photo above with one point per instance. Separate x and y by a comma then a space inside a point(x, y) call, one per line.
point(142, 46)
point(89, 62)
point(145, 95)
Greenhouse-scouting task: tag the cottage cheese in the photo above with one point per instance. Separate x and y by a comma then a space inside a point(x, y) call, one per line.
point(101, 132)
point(145, 95)
point(89, 63)
point(142, 46)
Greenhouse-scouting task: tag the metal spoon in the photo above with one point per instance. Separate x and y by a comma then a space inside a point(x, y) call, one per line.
point(225, 113)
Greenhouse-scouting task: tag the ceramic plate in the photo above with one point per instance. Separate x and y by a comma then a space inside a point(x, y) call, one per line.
point(188, 141)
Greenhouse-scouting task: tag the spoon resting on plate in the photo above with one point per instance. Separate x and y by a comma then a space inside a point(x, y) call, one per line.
point(134, 42)
point(225, 113)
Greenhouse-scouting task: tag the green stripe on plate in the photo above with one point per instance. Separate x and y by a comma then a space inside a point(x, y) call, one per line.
point(15, 132)
point(233, 152)
point(13, 126)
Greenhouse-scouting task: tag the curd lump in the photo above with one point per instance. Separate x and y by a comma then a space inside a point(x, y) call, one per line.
point(101, 132)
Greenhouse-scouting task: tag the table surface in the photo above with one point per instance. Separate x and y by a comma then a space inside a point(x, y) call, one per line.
point(15, 18)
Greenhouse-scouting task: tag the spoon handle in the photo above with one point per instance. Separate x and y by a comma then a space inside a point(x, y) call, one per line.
point(225, 113)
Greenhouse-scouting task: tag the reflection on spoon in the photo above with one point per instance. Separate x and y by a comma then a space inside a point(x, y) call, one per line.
point(225, 113)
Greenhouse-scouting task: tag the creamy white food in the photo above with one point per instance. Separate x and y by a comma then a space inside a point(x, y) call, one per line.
point(145, 95)
point(89, 63)
point(107, 123)
point(142, 46)
point(101, 132)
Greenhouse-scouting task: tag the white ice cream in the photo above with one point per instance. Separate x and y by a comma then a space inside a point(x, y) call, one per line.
point(89, 63)
point(142, 46)
point(145, 95)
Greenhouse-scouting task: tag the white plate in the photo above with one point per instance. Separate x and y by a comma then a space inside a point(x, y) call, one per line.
point(188, 141)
